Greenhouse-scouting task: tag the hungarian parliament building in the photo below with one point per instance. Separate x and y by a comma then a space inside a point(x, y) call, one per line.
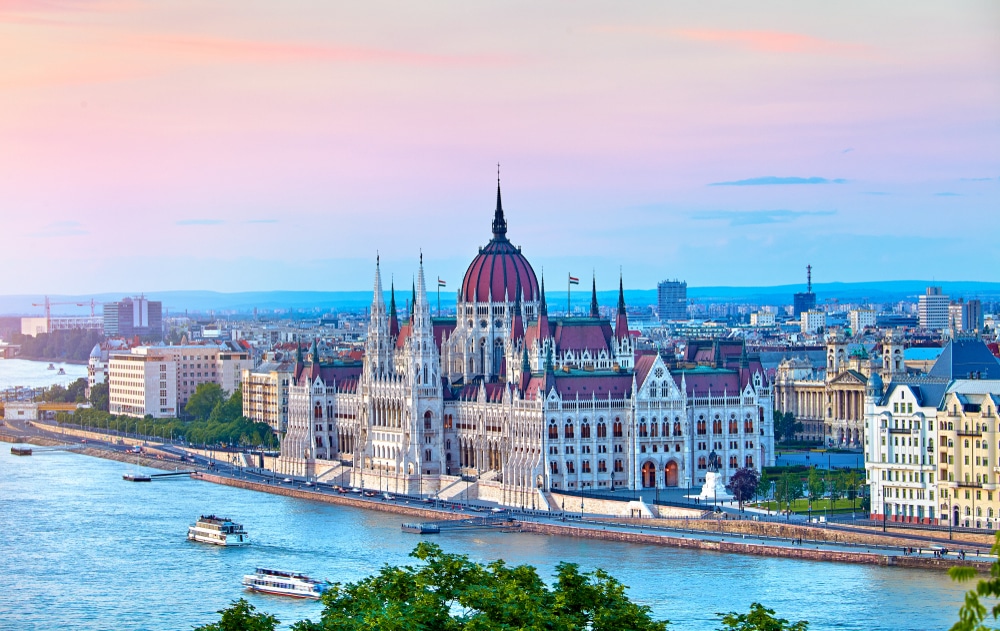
point(517, 401)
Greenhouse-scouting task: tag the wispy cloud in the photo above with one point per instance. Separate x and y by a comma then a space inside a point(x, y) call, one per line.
point(261, 221)
point(755, 217)
point(770, 180)
point(200, 222)
point(59, 229)
point(277, 51)
point(760, 41)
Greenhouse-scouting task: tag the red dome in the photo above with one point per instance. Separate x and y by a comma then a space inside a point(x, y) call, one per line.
point(499, 267)
point(496, 272)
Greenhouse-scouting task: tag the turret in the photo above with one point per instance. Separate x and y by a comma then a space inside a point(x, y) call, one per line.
point(393, 319)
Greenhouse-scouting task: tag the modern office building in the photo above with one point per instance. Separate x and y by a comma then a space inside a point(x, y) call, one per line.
point(671, 296)
point(134, 316)
point(806, 300)
point(932, 309)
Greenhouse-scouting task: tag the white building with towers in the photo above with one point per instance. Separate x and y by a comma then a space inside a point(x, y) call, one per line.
point(513, 401)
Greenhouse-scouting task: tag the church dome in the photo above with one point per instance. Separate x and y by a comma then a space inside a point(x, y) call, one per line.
point(499, 268)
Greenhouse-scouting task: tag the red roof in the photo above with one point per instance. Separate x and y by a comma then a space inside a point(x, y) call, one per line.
point(495, 273)
point(583, 386)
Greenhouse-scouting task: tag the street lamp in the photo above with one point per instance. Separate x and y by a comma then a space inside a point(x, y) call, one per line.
point(882, 492)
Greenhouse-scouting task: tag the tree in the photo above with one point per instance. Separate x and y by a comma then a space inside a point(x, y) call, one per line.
point(99, 396)
point(788, 489)
point(763, 485)
point(972, 612)
point(743, 484)
point(206, 396)
point(785, 426)
point(242, 616)
point(815, 486)
point(760, 618)
point(451, 593)
point(837, 486)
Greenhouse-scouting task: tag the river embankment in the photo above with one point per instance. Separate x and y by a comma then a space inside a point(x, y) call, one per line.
point(740, 536)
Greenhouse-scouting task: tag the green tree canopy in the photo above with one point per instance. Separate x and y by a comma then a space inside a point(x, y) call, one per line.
point(760, 618)
point(99, 396)
point(242, 616)
point(973, 612)
point(206, 396)
point(451, 593)
point(785, 426)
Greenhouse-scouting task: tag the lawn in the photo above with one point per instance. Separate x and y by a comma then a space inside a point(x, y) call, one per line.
point(818, 506)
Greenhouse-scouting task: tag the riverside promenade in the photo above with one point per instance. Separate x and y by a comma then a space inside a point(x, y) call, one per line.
point(740, 536)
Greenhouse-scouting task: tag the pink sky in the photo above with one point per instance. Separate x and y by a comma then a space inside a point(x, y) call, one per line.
point(234, 146)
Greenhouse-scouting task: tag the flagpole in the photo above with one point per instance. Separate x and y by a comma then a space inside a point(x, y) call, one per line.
point(568, 285)
point(439, 297)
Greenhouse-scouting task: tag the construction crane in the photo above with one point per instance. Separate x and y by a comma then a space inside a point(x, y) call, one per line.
point(48, 309)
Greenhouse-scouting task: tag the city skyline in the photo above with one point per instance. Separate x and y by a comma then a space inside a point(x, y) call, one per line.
point(255, 148)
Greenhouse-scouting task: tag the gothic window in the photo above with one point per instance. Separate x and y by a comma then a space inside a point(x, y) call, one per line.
point(734, 427)
point(716, 426)
point(677, 428)
point(568, 430)
point(617, 428)
point(554, 467)
point(585, 429)
point(602, 466)
point(733, 463)
point(569, 467)
point(701, 427)
point(748, 426)
point(553, 431)
point(619, 467)
point(653, 428)
point(702, 462)
point(427, 419)
point(642, 428)
point(318, 412)
point(602, 430)
point(585, 466)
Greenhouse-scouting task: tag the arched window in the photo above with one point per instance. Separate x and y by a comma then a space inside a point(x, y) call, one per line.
point(701, 427)
point(716, 426)
point(568, 430)
point(554, 467)
point(642, 429)
point(553, 431)
point(618, 428)
point(702, 462)
point(585, 429)
point(318, 412)
point(602, 430)
point(749, 462)
point(652, 428)
point(734, 427)
point(748, 426)
point(677, 429)
point(427, 419)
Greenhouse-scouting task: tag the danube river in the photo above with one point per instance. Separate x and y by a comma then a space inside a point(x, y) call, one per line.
point(35, 374)
point(82, 549)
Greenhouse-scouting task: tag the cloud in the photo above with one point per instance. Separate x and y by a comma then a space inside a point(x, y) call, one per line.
point(59, 229)
point(199, 222)
point(848, 150)
point(755, 217)
point(251, 51)
point(760, 41)
point(769, 180)
point(261, 221)
point(947, 194)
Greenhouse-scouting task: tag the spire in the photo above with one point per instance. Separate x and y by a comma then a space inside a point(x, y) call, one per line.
point(744, 359)
point(315, 352)
point(621, 322)
point(542, 309)
point(413, 301)
point(595, 312)
point(499, 223)
point(298, 353)
point(525, 362)
point(517, 326)
point(393, 319)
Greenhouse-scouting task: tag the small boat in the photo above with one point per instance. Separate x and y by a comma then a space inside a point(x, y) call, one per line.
point(51, 367)
point(218, 531)
point(62, 371)
point(137, 477)
point(421, 529)
point(281, 583)
point(20, 451)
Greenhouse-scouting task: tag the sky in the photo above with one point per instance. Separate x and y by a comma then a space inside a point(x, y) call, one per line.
point(250, 145)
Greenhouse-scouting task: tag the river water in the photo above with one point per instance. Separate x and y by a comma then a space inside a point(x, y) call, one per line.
point(82, 549)
point(35, 374)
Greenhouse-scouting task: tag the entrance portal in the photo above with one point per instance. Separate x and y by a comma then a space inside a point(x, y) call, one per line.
point(648, 475)
point(671, 473)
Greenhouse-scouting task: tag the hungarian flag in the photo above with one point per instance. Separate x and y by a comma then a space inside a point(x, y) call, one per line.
point(441, 283)
point(574, 281)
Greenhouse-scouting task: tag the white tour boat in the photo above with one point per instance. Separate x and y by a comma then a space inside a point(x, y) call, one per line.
point(283, 583)
point(219, 531)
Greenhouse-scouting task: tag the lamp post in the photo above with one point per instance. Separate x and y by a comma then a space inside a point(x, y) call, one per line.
point(882, 492)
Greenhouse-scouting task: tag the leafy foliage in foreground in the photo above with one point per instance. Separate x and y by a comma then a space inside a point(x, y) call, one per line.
point(451, 593)
point(448, 592)
point(973, 612)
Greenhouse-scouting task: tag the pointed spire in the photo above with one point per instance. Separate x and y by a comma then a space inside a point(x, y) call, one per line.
point(378, 300)
point(621, 322)
point(298, 353)
point(744, 359)
point(499, 223)
point(315, 352)
point(413, 300)
point(595, 311)
point(542, 309)
point(393, 319)
point(525, 362)
point(517, 326)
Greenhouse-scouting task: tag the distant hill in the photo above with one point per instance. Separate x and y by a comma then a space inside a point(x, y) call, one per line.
point(179, 302)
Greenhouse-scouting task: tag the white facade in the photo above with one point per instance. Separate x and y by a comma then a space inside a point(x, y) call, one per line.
point(141, 383)
point(762, 318)
point(812, 321)
point(932, 309)
point(860, 319)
